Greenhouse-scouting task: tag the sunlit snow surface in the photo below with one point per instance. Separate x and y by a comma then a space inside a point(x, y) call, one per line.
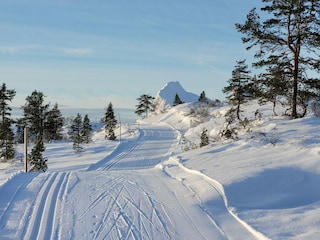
point(146, 187)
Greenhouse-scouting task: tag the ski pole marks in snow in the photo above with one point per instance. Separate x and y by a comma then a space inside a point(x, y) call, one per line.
point(120, 207)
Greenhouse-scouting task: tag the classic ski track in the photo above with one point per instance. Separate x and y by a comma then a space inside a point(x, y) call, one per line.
point(119, 157)
point(144, 134)
point(43, 212)
point(63, 191)
point(114, 160)
point(12, 199)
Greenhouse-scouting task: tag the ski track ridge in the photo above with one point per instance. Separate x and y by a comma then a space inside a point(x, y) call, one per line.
point(220, 189)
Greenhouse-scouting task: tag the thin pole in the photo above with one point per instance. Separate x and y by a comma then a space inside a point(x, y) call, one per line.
point(26, 149)
point(120, 127)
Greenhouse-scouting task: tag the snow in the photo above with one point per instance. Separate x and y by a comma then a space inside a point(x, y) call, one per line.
point(265, 185)
point(169, 91)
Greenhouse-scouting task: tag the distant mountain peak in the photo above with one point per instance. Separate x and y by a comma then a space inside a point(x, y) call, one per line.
point(169, 91)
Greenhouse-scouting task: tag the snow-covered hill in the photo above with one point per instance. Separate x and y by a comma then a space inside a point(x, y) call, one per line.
point(263, 185)
point(169, 91)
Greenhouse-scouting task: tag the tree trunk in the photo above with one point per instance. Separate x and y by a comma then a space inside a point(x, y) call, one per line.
point(295, 85)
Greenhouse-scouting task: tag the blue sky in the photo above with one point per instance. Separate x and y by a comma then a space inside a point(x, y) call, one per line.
point(86, 54)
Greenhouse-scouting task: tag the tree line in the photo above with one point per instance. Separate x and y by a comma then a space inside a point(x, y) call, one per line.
point(44, 125)
point(286, 37)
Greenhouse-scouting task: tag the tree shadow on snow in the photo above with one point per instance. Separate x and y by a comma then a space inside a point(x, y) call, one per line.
point(275, 189)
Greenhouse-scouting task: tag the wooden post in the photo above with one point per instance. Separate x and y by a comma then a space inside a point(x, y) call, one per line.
point(120, 128)
point(26, 149)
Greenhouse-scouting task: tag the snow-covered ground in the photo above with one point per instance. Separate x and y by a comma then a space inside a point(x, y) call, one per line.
point(265, 185)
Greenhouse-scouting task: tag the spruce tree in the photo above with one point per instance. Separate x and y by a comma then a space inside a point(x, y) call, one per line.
point(202, 97)
point(110, 122)
point(291, 34)
point(76, 132)
point(86, 129)
point(177, 100)
point(145, 105)
point(7, 150)
point(36, 159)
point(237, 86)
point(53, 124)
point(35, 112)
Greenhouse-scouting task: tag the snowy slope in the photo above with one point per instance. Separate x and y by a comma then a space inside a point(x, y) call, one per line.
point(169, 91)
point(265, 185)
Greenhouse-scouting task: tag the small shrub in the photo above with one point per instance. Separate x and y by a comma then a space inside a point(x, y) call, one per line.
point(204, 138)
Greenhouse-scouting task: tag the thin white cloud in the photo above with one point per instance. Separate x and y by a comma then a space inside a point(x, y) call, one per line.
point(78, 51)
point(16, 49)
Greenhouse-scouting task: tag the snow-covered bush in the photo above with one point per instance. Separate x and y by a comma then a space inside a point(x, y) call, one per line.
point(204, 138)
point(315, 108)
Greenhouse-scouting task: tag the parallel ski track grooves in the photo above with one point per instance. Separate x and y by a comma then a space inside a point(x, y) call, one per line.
point(11, 199)
point(63, 191)
point(130, 149)
point(119, 157)
point(41, 224)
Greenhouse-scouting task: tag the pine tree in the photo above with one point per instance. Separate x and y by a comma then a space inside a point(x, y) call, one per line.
point(86, 129)
point(273, 83)
point(76, 132)
point(53, 124)
point(177, 100)
point(35, 112)
point(237, 86)
point(20, 126)
point(7, 140)
point(291, 34)
point(7, 150)
point(110, 122)
point(145, 105)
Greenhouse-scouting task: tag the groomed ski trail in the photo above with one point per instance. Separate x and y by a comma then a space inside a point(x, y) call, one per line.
point(123, 196)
